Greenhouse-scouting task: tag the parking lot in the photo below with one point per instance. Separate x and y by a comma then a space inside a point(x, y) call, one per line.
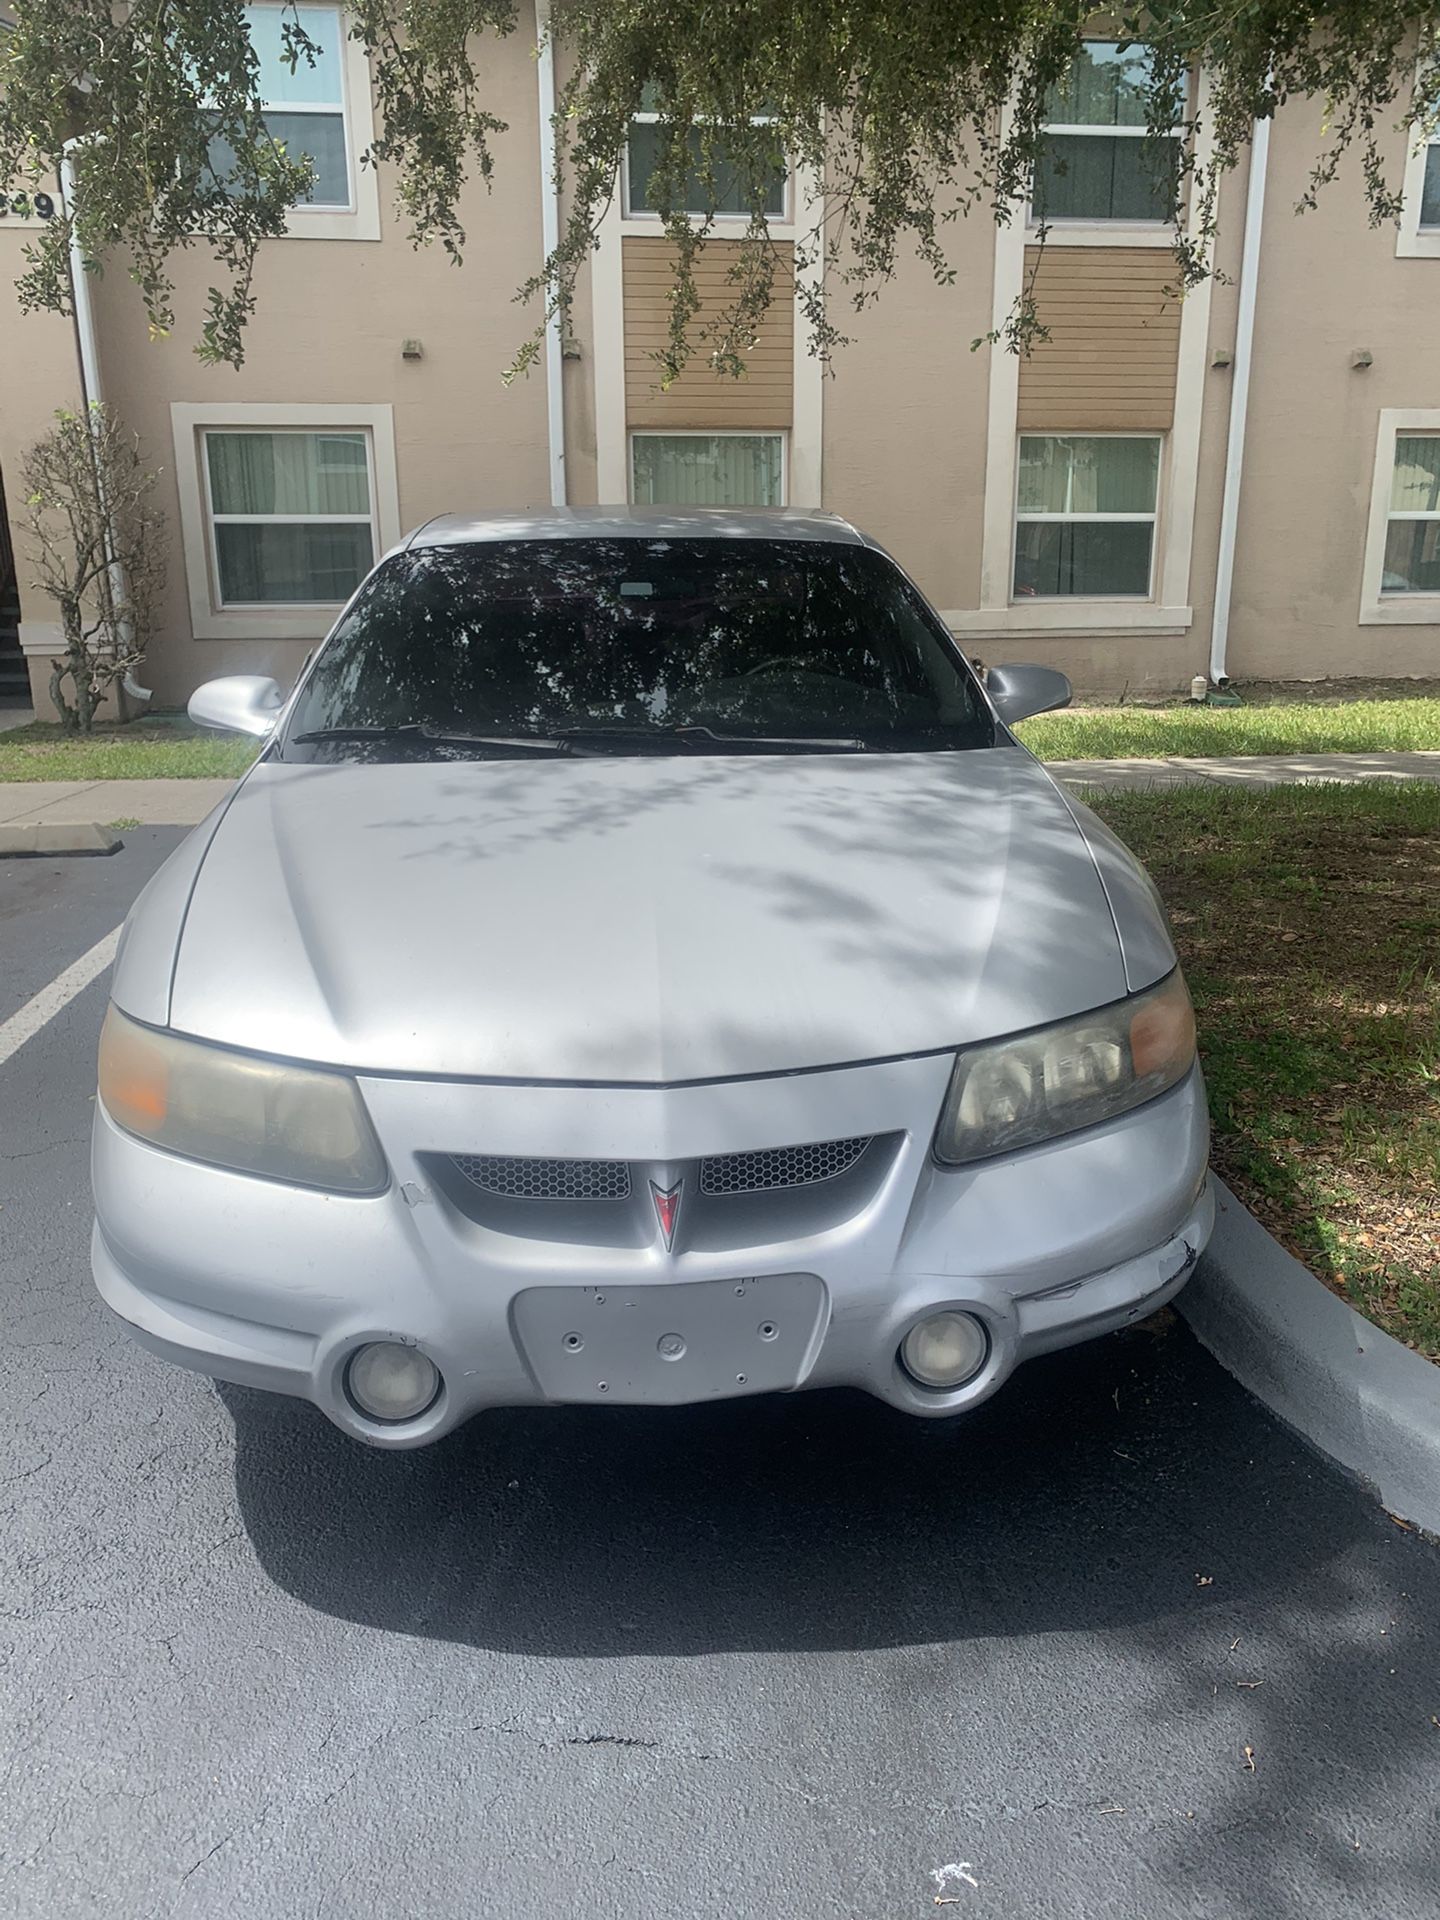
point(1118, 1644)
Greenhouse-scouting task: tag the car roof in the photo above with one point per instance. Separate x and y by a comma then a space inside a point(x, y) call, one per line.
point(637, 523)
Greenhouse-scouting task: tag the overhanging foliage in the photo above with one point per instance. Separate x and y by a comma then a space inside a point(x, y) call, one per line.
point(913, 113)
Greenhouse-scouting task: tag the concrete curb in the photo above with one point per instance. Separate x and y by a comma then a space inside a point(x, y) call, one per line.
point(1358, 1395)
point(45, 840)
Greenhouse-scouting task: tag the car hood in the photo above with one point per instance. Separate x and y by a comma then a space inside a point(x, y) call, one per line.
point(643, 919)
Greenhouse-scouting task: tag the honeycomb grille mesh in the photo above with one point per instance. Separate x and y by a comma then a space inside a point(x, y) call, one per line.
point(522, 1179)
point(773, 1167)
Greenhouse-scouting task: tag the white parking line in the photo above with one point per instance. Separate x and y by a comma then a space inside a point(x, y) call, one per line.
point(25, 1024)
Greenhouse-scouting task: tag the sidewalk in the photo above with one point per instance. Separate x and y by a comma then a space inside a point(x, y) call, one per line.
point(181, 803)
point(163, 803)
point(1249, 770)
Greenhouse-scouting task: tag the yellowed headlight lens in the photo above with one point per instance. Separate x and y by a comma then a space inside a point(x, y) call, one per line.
point(300, 1124)
point(1017, 1093)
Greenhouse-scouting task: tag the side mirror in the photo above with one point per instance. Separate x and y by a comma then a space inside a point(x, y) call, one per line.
point(240, 703)
point(1017, 692)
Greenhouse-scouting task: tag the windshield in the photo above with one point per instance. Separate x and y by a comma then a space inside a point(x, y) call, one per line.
point(637, 645)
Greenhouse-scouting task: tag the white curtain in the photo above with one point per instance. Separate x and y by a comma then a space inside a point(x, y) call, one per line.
point(291, 473)
point(1074, 474)
point(708, 470)
point(283, 560)
point(1416, 486)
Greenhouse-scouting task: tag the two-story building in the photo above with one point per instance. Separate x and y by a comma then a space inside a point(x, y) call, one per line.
point(1243, 482)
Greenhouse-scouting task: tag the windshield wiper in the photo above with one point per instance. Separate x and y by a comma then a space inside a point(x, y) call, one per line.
point(583, 738)
point(426, 736)
point(693, 733)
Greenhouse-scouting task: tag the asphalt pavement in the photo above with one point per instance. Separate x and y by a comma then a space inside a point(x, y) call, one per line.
point(1117, 1645)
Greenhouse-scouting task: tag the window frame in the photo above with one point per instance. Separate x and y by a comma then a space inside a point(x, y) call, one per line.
point(359, 219)
point(646, 219)
point(1426, 146)
point(214, 519)
point(1027, 601)
point(1099, 229)
point(328, 108)
point(632, 434)
point(271, 619)
point(1412, 241)
point(1378, 608)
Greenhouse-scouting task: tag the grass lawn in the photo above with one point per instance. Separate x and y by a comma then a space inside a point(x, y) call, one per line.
point(146, 750)
point(1308, 922)
point(1153, 733)
point(164, 748)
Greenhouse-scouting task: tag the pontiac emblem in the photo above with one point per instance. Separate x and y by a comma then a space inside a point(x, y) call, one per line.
point(667, 1209)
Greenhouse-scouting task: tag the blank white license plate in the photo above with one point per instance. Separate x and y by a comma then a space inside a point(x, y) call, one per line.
point(665, 1345)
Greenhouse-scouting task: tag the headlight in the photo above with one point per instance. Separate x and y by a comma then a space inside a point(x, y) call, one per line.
point(299, 1124)
point(1013, 1093)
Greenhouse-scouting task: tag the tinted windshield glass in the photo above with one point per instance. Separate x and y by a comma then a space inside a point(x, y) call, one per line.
point(661, 645)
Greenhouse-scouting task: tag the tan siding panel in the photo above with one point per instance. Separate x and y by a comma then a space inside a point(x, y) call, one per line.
point(1114, 336)
point(763, 398)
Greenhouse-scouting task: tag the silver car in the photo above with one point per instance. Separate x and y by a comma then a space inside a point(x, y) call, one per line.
point(642, 966)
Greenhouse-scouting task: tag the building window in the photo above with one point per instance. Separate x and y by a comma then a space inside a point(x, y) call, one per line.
point(1430, 185)
point(284, 507)
point(1412, 532)
point(707, 469)
point(304, 110)
point(731, 199)
point(1417, 236)
point(1097, 159)
point(291, 516)
point(1085, 516)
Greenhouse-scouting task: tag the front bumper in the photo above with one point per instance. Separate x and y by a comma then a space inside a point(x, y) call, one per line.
point(275, 1286)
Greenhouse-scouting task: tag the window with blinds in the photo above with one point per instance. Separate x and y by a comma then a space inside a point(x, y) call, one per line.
point(707, 469)
point(1412, 532)
point(1085, 516)
point(291, 515)
point(1098, 159)
point(304, 109)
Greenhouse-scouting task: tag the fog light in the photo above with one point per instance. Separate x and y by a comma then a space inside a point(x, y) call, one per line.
point(389, 1381)
point(944, 1351)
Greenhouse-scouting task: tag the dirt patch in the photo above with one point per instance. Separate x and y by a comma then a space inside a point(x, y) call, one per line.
point(1273, 693)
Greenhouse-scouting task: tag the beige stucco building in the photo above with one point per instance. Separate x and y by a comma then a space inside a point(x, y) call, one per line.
point(1279, 428)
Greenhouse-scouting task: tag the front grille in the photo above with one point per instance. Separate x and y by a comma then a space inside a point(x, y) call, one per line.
point(767, 1170)
point(773, 1167)
point(522, 1179)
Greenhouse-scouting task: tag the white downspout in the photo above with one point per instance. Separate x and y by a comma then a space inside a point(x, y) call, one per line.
point(91, 392)
point(1239, 399)
point(550, 239)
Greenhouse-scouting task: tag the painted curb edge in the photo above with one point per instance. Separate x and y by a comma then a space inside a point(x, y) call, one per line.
point(44, 840)
point(1351, 1390)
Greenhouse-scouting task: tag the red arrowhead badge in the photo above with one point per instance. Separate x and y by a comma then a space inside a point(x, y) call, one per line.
point(667, 1208)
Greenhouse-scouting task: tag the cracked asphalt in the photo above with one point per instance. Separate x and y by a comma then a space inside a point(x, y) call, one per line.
point(1118, 1645)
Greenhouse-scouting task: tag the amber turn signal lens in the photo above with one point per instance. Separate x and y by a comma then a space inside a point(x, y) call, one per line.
point(1162, 1033)
point(134, 1077)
